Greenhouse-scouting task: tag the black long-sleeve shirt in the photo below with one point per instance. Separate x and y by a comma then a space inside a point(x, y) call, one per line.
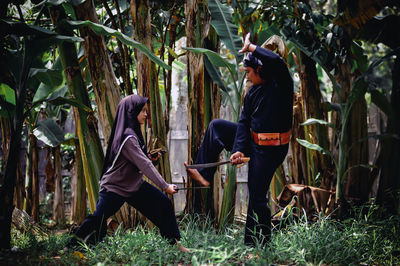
point(268, 107)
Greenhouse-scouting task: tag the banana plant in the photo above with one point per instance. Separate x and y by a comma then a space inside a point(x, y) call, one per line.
point(40, 77)
point(231, 83)
point(25, 43)
point(86, 123)
point(360, 87)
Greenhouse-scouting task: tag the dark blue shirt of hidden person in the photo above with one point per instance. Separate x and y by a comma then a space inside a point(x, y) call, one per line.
point(268, 107)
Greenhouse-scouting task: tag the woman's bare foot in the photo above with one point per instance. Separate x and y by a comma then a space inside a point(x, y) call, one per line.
point(182, 248)
point(193, 173)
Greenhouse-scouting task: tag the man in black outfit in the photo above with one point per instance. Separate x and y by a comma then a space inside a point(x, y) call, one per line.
point(262, 133)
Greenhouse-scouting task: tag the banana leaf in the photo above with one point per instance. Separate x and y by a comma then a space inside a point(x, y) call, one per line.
point(221, 20)
point(216, 59)
point(7, 93)
point(322, 199)
point(106, 31)
point(49, 132)
point(313, 146)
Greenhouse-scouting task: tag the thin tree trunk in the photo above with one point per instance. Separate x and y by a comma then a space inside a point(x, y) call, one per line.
point(28, 180)
point(389, 158)
point(32, 179)
point(168, 83)
point(5, 135)
point(102, 75)
point(58, 207)
point(7, 191)
point(19, 191)
point(297, 161)
point(78, 206)
point(86, 123)
point(123, 54)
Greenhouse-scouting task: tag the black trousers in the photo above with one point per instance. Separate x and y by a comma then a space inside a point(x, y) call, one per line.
point(149, 200)
point(264, 160)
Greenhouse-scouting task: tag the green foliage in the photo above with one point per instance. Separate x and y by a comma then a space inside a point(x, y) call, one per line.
point(106, 31)
point(359, 89)
point(216, 59)
point(365, 238)
point(49, 132)
point(231, 84)
point(7, 93)
point(7, 100)
point(226, 30)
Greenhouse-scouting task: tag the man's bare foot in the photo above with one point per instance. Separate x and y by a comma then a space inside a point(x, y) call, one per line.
point(193, 173)
point(182, 248)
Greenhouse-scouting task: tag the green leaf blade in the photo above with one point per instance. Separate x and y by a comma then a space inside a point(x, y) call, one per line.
point(49, 132)
point(312, 146)
point(106, 31)
point(222, 22)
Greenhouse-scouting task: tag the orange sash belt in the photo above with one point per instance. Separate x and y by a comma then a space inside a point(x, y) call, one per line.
point(271, 139)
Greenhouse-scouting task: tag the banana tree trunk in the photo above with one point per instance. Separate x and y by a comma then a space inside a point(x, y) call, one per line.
point(389, 157)
point(7, 190)
point(78, 206)
point(127, 214)
point(19, 194)
point(104, 82)
point(86, 123)
point(351, 184)
point(197, 26)
point(123, 54)
point(298, 159)
point(168, 81)
point(147, 84)
point(5, 137)
point(312, 103)
point(58, 207)
point(32, 179)
point(212, 104)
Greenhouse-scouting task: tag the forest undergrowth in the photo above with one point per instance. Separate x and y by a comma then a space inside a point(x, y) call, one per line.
point(365, 238)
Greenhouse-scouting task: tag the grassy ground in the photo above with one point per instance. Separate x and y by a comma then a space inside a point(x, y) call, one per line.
point(363, 240)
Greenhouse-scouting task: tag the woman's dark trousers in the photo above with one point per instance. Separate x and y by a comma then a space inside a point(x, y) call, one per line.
point(149, 200)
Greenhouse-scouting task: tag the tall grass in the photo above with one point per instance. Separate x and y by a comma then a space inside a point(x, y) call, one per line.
point(363, 239)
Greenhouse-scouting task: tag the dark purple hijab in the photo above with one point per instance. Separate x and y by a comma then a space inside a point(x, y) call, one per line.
point(125, 124)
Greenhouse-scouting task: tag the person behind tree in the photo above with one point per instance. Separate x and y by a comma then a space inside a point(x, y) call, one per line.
point(262, 133)
point(125, 163)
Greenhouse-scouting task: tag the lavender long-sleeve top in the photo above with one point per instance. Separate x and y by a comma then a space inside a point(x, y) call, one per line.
point(126, 173)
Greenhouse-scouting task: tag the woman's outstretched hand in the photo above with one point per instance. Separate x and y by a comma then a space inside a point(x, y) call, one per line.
point(171, 189)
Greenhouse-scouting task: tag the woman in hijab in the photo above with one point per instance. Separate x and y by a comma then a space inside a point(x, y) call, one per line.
point(122, 180)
